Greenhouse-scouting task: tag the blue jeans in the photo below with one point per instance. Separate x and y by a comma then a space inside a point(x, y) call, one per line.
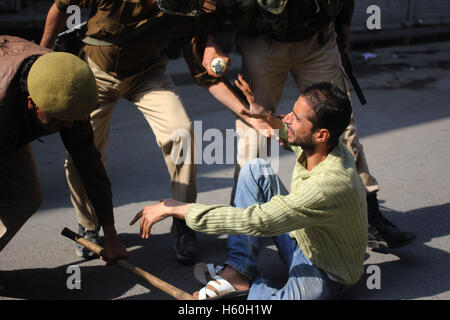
point(257, 183)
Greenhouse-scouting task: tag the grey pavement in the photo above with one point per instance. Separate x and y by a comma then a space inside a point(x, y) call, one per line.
point(405, 130)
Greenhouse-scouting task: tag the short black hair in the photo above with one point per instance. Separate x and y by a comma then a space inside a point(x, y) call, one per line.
point(22, 74)
point(21, 114)
point(332, 108)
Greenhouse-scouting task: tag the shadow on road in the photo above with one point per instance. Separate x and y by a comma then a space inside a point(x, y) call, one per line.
point(417, 270)
point(101, 282)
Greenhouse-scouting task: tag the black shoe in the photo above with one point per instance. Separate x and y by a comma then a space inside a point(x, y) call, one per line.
point(93, 236)
point(185, 244)
point(382, 230)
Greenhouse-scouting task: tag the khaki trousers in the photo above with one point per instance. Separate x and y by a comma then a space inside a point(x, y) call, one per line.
point(154, 94)
point(20, 192)
point(265, 66)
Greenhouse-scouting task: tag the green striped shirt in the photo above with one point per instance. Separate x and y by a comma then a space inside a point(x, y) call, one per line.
point(325, 212)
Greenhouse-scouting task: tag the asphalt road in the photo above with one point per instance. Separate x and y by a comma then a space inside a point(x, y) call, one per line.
point(405, 130)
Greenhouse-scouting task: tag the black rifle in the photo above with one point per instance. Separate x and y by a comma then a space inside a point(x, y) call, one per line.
point(346, 63)
point(71, 39)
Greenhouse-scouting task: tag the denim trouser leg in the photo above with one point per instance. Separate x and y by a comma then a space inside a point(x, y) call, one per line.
point(305, 282)
point(258, 183)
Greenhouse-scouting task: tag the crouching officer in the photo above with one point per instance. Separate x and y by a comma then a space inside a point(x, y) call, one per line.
point(44, 92)
point(124, 45)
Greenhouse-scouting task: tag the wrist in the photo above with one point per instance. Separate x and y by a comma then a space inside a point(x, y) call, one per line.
point(248, 120)
point(175, 208)
point(109, 231)
point(181, 211)
point(211, 41)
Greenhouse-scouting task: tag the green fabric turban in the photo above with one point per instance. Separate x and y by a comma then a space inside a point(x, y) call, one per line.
point(62, 85)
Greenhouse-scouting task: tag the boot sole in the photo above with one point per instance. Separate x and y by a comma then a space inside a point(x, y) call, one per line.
point(403, 244)
point(376, 244)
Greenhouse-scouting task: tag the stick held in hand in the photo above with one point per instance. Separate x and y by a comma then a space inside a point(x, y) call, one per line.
point(154, 281)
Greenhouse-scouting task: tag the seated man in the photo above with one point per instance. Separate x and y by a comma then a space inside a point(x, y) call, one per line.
point(319, 228)
point(42, 93)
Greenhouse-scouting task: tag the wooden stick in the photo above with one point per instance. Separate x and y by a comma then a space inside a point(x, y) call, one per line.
point(154, 281)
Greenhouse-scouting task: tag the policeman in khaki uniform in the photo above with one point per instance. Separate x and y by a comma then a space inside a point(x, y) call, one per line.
point(278, 37)
point(123, 46)
point(43, 92)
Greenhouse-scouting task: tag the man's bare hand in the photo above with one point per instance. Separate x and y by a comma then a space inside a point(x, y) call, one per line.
point(54, 24)
point(212, 51)
point(114, 250)
point(262, 118)
point(154, 213)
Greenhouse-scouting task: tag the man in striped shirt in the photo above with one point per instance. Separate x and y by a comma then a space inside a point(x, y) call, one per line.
point(319, 228)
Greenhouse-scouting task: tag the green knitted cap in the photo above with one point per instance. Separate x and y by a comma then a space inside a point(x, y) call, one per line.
point(62, 85)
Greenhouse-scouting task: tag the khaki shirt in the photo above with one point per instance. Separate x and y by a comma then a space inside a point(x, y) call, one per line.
point(138, 34)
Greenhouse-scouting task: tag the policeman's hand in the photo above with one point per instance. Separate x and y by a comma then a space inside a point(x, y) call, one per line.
point(262, 127)
point(212, 51)
point(114, 250)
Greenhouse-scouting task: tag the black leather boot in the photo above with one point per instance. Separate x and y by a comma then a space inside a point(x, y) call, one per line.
point(185, 243)
point(382, 230)
point(91, 235)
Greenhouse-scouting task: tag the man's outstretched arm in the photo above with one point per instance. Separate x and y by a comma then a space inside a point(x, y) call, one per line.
point(54, 24)
point(152, 214)
point(79, 143)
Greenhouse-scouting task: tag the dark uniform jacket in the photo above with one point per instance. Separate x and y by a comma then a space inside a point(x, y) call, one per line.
point(19, 126)
point(126, 36)
point(298, 20)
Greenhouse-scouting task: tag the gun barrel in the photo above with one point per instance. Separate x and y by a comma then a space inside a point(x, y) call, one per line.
point(346, 63)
